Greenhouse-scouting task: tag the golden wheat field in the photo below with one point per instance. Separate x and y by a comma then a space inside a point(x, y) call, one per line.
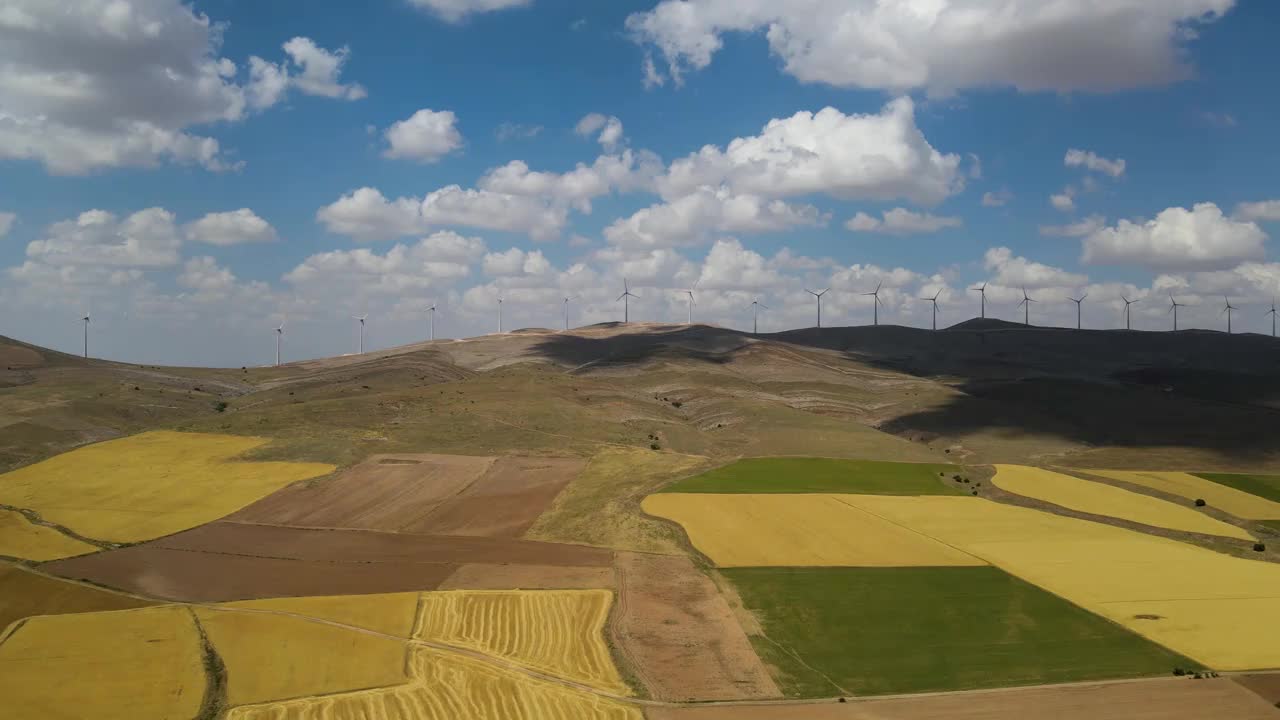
point(558, 632)
point(1217, 609)
point(448, 686)
point(276, 657)
point(19, 538)
point(389, 614)
point(126, 664)
point(744, 530)
point(1228, 499)
point(145, 486)
point(1100, 499)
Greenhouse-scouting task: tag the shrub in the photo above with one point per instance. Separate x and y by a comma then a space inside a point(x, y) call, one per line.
point(654, 446)
point(676, 404)
point(1259, 547)
point(220, 406)
point(1179, 671)
point(1199, 502)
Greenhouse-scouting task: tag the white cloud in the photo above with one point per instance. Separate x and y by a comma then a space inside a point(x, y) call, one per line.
point(7, 220)
point(900, 221)
point(1217, 119)
point(204, 274)
point(515, 131)
point(1063, 201)
point(975, 167)
point(321, 70)
point(607, 129)
point(146, 239)
point(852, 157)
point(1087, 226)
point(1012, 271)
point(365, 214)
point(231, 228)
point(999, 198)
point(516, 263)
point(942, 45)
point(692, 218)
point(652, 77)
point(429, 263)
point(1263, 211)
point(426, 136)
point(730, 266)
point(268, 83)
point(1178, 239)
point(458, 10)
point(1094, 162)
point(624, 172)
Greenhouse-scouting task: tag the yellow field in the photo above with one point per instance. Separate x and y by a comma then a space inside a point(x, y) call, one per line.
point(1227, 499)
point(19, 538)
point(558, 632)
point(451, 687)
point(797, 530)
point(1217, 609)
point(149, 485)
point(276, 657)
point(127, 664)
point(1100, 499)
point(389, 614)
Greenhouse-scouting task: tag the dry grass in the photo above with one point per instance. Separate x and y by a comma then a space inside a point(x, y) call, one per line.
point(389, 614)
point(20, 538)
point(1227, 499)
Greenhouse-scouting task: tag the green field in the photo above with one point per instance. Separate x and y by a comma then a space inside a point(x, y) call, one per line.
point(902, 630)
point(824, 475)
point(1264, 486)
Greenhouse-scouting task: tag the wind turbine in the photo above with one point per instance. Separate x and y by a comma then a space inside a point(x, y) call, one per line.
point(625, 297)
point(1272, 313)
point(818, 295)
point(876, 305)
point(1173, 308)
point(689, 292)
point(279, 339)
point(1127, 303)
point(934, 300)
point(982, 290)
point(755, 315)
point(86, 333)
point(1078, 303)
point(361, 319)
point(566, 311)
point(499, 314)
point(1228, 308)
point(1026, 303)
point(432, 310)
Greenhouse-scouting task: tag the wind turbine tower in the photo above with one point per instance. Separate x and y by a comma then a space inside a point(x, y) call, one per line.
point(625, 297)
point(1127, 303)
point(499, 314)
point(755, 315)
point(934, 300)
point(1228, 308)
point(876, 305)
point(361, 319)
point(689, 292)
point(1173, 308)
point(566, 311)
point(432, 310)
point(1272, 313)
point(1026, 305)
point(279, 340)
point(1078, 302)
point(982, 290)
point(818, 295)
point(86, 334)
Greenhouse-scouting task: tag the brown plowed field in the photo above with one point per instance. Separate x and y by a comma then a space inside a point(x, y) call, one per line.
point(1266, 685)
point(681, 636)
point(507, 500)
point(238, 561)
point(479, 576)
point(1171, 699)
point(385, 492)
point(24, 593)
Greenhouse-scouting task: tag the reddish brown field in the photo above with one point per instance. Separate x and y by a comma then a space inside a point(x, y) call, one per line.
point(24, 593)
point(528, 577)
point(385, 492)
point(507, 500)
point(680, 634)
point(1171, 699)
point(1266, 685)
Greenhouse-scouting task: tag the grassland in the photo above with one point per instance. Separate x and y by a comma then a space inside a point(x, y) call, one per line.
point(127, 664)
point(559, 632)
point(823, 475)
point(1238, 501)
point(898, 630)
point(148, 485)
point(21, 538)
point(797, 530)
point(1109, 501)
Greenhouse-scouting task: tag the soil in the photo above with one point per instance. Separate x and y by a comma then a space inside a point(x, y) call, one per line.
point(1165, 699)
point(507, 500)
point(385, 492)
point(482, 576)
point(1266, 685)
point(681, 636)
point(24, 593)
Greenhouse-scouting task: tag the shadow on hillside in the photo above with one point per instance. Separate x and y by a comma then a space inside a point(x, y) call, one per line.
point(1193, 389)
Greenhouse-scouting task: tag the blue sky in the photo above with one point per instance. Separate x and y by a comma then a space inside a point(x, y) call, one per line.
point(994, 104)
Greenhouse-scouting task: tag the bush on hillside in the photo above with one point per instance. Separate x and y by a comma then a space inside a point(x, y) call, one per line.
point(1200, 502)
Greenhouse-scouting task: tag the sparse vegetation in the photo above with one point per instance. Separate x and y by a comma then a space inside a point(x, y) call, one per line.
point(819, 475)
point(1200, 502)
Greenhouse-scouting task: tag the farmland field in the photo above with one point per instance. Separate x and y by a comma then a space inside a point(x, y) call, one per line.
point(900, 630)
point(1099, 499)
point(559, 632)
point(822, 475)
point(389, 614)
point(20, 538)
point(797, 530)
point(127, 664)
point(1240, 499)
point(24, 593)
point(1264, 486)
point(148, 485)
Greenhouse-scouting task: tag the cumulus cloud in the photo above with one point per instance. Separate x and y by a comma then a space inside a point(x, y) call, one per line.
point(624, 172)
point(1085, 227)
point(1092, 161)
point(1012, 271)
point(204, 274)
point(458, 10)
point(1064, 201)
point(429, 263)
point(426, 136)
point(516, 131)
point(999, 198)
point(730, 266)
point(692, 218)
point(942, 45)
point(853, 157)
point(146, 239)
point(321, 70)
point(516, 263)
point(1201, 238)
point(900, 221)
point(366, 214)
point(230, 228)
point(7, 220)
point(606, 129)
point(1262, 211)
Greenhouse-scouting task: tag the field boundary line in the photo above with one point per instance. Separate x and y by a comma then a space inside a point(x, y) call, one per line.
point(910, 529)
